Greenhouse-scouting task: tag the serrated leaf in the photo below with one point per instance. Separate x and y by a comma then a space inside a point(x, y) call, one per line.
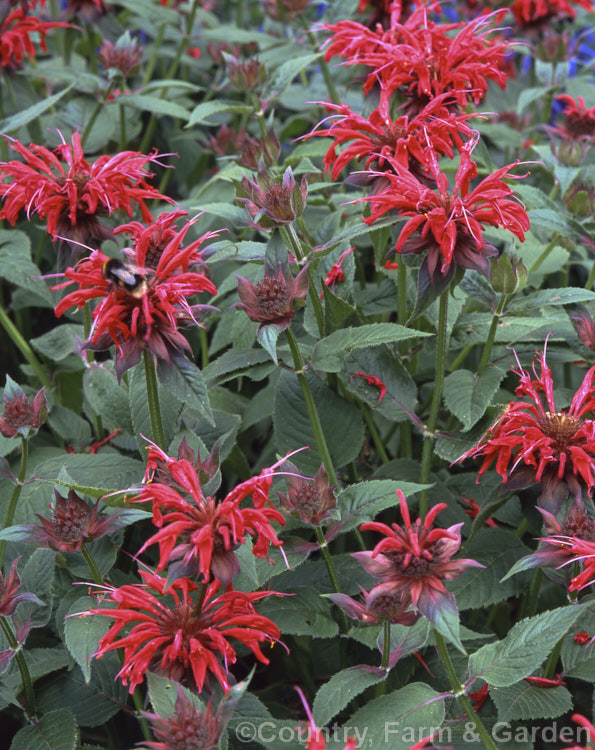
point(58, 343)
point(25, 116)
point(83, 632)
point(37, 578)
point(497, 549)
point(293, 429)
point(526, 701)
point(203, 112)
point(363, 501)
point(527, 96)
point(468, 396)
point(566, 296)
point(163, 693)
point(340, 690)
point(16, 265)
point(394, 719)
point(267, 336)
point(330, 352)
point(107, 397)
point(525, 647)
point(184, 379)
point(304, 612)
point(56, 730)
point(282, 76)
point(254, 363)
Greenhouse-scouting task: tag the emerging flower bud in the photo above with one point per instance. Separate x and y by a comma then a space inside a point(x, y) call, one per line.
point(245, 75)
point(123, 57)
point(271, 204)
point(508, 274)
point(258, 154)
point(9, 585)
point(584, 325)
point(284, 10)
point(312, 500)
point(21, 415)
point(274, 299)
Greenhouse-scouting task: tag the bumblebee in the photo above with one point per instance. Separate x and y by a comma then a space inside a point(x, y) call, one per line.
point(125, 278)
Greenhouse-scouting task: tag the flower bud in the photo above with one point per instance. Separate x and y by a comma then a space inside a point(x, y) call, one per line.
point(508, 274)
point(22, 416)
point(270, 203)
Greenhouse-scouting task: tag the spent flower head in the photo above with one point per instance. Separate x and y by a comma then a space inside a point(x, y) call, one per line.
point(274, 299)
point(22, 415)
point(271, 203)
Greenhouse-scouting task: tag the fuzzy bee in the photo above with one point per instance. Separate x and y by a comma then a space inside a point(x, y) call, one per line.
point(124, 277)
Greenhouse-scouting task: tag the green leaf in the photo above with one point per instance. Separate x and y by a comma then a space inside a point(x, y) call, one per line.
point(292, 427)
point(54, 731)
point(184, 379)
point(37, 578)
point(525, 647)
point(363, 501)
point(95, 474)
point(399, 719)
point(40, 662)
point(16, 265)
point(282, 76)
point(340, 690)
point(267, 336)
point(497, 549)
point(566, 296)
point(58, 343)
point(303, 612)
point(107, 397)
point(254, 363)
point(579, 659)
point(25, 116)
point(330, 352)
point(526, 701)
point(83, 632)
point(163, 693)
point(154, 104)
point(205, 111)
point(527, 96)
point(357, 229)
point(468, 396)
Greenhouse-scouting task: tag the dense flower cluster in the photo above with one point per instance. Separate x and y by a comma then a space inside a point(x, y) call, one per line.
point(19, 32)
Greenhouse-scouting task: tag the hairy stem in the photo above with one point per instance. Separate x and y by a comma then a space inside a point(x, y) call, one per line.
point(153, 400)
point(12, 506)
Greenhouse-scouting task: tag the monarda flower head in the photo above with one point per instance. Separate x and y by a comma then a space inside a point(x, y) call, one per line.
point(534, 441)
point(168, 629)
point(274, 299)
point(197, 535)
point(538, 13)
point(10, 583)
point(446, 224)
point(70, 193)
point(145, 314)
point(22, 416)
point(18, 30)
point(413, 561)
point(271, 203)
point(311, 499)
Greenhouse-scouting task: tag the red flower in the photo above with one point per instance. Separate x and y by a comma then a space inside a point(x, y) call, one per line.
point(582, 638)
point(179, 635)
point(557, 447)
point(474, 509)
point(479, 697)
point(336, 273)
point(274, 299)
point(403, 139)
point(315, 738)
point(200, 535)
point(577, 131)
point(16, 30)
point(21, 415)
point(586, 724)
point(63, 188)
point(447, 224)
point(413, 560)
point(375, 382)
point(146, 316)
point(423, 59)
point(541, 12)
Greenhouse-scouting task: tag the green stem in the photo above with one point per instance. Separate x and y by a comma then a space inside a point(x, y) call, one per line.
point(144, 724)
point(402, 312)
point(23, 668)
point(550, 666)
point(256, 105)
point(381, 687)
point(427, 452)
point(324, 68)
point(154, 55)
point(12, 506)
point(121, 112)
point(459, 692)
point(591, 279)
point(548, 249)
point(332, 574)
point(96, 419)
point(96, 111)
point(460, 358)
point(293, 241)
point(374, 434)
point(24, 348)
point(171, 72)
point(530, 603)
point(487, 350)
point(311, 407)
point(153, 400)
point(92, 566)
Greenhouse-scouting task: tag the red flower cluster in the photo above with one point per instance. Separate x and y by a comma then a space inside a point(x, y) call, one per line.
point(179, 634)
point(421, 59)
point(530, 13)
point(62, 187)
point(197, 535)
point(17, 31)
point(145, 314)
point(556, 447)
